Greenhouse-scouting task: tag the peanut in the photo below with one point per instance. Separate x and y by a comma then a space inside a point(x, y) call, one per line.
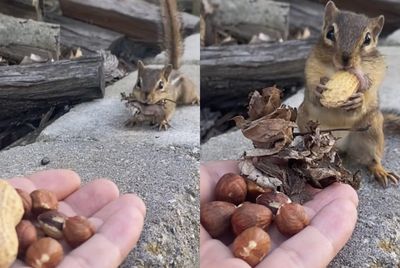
point(11, 212)
point(339, 89)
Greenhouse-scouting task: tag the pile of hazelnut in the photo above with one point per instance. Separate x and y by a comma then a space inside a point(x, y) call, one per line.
point(247, 210)
point(43, 226)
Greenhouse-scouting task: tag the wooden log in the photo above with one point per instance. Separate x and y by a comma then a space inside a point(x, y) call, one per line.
point(90, 38)
point(29, 33)
point(17, 10)
point(27, 91)
point(244, 19)
point(229, 73)
point(137, 19)
point(305, 14)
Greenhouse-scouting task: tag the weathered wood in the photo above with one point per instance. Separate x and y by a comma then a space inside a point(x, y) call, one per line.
point(244, 19)
point(20, 11)
point(36, 5)
point(27, 91)
point(90, 38)
point(305, 14)
point(29, 33)
point(135, 18)
point(229, 73)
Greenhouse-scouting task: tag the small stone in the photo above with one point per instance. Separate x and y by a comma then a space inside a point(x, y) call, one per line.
point(45, 161)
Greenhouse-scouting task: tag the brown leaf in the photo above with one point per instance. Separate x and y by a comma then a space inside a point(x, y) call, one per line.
point(267, 133)
point(261, 105)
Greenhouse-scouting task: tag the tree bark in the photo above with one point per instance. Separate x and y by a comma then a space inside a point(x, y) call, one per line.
point(230, 73)
point(27, 91)
point(137, 19)
point(30, 33)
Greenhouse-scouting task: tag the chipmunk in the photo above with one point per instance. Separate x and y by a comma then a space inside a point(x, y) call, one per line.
point(166, 86)
point(348, 42)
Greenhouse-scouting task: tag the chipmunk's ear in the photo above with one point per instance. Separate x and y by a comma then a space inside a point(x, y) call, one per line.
point(377, 25)
point(167, 71)
point(140, 65)
point(330, 13)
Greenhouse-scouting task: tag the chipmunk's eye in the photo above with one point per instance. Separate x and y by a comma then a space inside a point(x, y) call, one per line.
point(367, 39)
point(161, 85)
point(331, 34)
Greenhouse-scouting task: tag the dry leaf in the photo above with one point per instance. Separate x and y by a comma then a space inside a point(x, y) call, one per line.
point(252, 173)
point(279, 162)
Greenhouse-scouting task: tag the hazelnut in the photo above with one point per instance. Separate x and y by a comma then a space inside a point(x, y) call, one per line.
point(254, 190)
point(42, 201)
point(273, 200)
point(216, 217)
point(252, 245)
point(291, 218)
point(249, 215)
point(231, 188)
point(52, 223)
point(26, 202)
point(77, 230)
point(27, 234)
point(44, 253)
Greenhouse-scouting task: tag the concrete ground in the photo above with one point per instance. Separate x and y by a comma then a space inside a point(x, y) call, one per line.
point(376, 239)
point(161, 167)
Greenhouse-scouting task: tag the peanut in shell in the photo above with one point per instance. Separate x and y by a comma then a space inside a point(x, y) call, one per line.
point(339, 89)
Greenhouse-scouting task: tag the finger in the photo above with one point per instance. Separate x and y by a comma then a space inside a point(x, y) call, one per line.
point(312, 207)
point(330, 193)
point(210, 173)
point(319, 242)
point(62, 182)
point(92, 197)
point(212, 251)
point(122, 225)
point(204, 235)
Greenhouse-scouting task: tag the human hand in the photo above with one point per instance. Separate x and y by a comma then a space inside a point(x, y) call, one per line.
point(118, 219)
point(333, 214)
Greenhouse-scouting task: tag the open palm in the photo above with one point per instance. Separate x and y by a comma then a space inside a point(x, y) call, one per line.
point(118, 219)
point(333, 214)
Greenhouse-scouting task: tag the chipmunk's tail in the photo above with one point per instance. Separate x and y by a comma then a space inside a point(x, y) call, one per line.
point(171, 32)
point(391, 120)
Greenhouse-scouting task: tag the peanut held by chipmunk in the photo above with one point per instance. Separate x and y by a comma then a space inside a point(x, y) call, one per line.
point(348, 44)
point(157, 91)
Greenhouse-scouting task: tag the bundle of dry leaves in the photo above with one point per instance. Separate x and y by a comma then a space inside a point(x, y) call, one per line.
point(141, 112)
point(284, 160)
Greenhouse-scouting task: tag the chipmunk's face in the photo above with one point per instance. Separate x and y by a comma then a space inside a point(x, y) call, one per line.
point(351, 37)
point(152, 84)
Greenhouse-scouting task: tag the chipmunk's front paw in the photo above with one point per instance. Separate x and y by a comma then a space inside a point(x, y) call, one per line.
point(383, 176)
point(164, 125)
point(196, 101)
point(130, 123)
point(354, 102)
point(320, 88)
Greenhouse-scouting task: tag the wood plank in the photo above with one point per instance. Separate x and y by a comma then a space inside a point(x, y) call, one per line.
point(137, 19)
point(244, 19)
point(89, 37)
point(30, 33)
point(26, 91)
point(230, 73)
